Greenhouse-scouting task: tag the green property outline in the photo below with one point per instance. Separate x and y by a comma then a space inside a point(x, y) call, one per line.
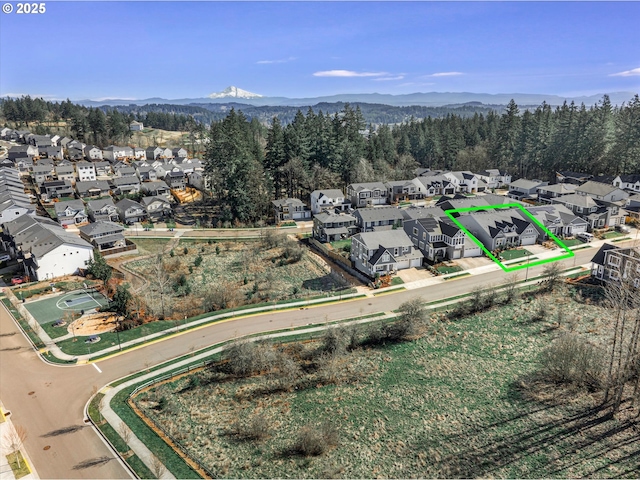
point(569, 253)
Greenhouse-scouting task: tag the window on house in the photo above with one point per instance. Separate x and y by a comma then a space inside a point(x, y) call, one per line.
point(415, 231)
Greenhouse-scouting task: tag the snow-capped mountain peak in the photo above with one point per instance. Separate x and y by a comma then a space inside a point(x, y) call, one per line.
point(234, 92)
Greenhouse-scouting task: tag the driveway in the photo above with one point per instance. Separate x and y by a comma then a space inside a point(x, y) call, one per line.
point(413, 274)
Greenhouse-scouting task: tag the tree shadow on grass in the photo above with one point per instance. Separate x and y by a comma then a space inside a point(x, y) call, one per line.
point(565, 438)
point(93, 462)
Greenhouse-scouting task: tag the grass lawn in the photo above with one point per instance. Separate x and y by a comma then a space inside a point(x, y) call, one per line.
point(149, 246)
point(18, 471)
point(572, 242)
point(340, 244)
point(514, 253)
point(397, 281)
point(452, 269)
point(612, 234)
point(455, 402)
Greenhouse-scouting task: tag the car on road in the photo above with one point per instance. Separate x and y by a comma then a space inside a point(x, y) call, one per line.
point(585, 237)
point(17, 280)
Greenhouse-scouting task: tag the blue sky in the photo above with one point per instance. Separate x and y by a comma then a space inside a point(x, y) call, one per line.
point(305, 49)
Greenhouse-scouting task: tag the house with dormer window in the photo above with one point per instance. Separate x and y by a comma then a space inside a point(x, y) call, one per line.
point(384, 252)
point(71, 212)
point(500, 228)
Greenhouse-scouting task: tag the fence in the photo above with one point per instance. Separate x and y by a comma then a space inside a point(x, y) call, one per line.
point(343, 262)
point(114, 251)
point(169, 376)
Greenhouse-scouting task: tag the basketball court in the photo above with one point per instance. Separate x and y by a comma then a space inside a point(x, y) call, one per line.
point(53, 308)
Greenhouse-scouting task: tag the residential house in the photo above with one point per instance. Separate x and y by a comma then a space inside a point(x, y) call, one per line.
point(123, 170)
point(104, 236)
point(12, 206)
point(64, 141)
point(614, 264)
point(438, 237)
point(54, 140)
point(42, 173)
point(103, 210)
point(56, 189)
point(329, 226)
point(5, 132)
point(113, 153)
point(558, 219)
point(51, 152)
point(598, 213)
point(377, 218)
point(76, 144)
point(91, 152)
point(574, 178)
point(200, 180)
point(146, 173)
point(330, 199)
point(465, 182)
point(290, 209)
point(136, 126)
point(524, 189)
point(140, 153)
point(24, 165)
point(547, 193)
point(45, 249)
point(154, 152)
point(71, 212)
point(97, 188)
point(602, 192)
point(40, 141)
point(22, 151)
point(126, 185)
point(498, 229)
point(431, 185)
point(403, 190)
point(65, 172)
point(130, 211)
point(179, 153)
point(156, 188)
point(86, 171)
point(632, 206)
point(367, 194)
point(494, 178)
point(75, 154)
point(103, 168)
point(156, 207)
point(630, 183)
point(384, 252)
point(176, 179)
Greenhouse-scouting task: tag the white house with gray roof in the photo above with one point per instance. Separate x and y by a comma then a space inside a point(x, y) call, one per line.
point(630, 183)
point(86, 171)
point(329, 199)
point(71, 212)
point(384, 252)
point(45, 248)
point(290, 209)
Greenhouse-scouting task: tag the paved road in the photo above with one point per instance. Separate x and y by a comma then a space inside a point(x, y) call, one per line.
point(60, 393)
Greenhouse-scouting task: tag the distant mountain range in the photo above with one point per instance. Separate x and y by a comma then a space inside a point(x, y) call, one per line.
point(432, 99)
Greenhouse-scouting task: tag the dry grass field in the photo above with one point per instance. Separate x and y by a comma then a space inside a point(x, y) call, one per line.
point(459, 400)
point(205, 275)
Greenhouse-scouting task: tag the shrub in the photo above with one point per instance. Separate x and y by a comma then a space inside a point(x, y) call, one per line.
point(172, 253)
point(313, 441)
point(198, 261)
point(185, 251)
point(217, 249)
point(248, 358)
point(257, 428)
point(571, 360)
point(334, 340)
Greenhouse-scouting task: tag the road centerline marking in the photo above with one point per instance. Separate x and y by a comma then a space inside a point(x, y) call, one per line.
point(96, 367)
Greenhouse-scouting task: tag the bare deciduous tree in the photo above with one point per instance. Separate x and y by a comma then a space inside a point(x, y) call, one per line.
point(157, 467)
point(161, 279)
point(13, 439)
point(125, 432)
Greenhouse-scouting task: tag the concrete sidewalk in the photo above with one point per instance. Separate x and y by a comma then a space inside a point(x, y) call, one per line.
point(6, 425)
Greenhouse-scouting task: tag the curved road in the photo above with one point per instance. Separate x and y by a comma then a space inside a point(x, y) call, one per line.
point(49, 400)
